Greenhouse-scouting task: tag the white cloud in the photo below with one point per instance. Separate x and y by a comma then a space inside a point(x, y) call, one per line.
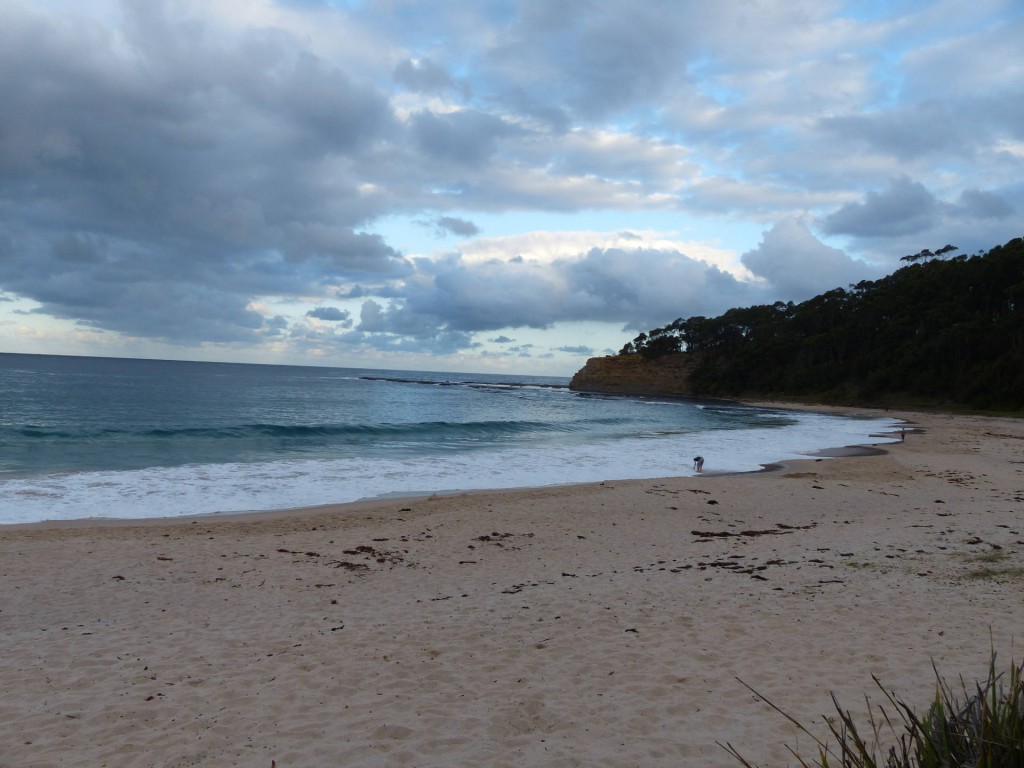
point(548, 247)
point(797, 265)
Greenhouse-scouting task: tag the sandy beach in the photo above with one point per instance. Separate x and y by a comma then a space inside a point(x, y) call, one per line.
point(607, 624)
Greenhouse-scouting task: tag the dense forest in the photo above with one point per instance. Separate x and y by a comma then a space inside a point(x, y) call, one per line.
point(943, 330)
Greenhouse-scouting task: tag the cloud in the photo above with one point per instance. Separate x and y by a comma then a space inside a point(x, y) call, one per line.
point(152, 214)
point(798, 266)
point(331, 314)
point(904, 207)
point(980, 204)
point(984, 60)
point(166, 167)
point(594, 59)
point(391, 330)
point(635, 288)
point(907, 133)
point(456, 226)
point(423, 75)
point(580, 349)
point(465, 137)
point(906, 216)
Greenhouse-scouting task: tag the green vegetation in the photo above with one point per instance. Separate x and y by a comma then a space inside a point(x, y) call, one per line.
point(983, 728)
point(940, 331)
point(992, 567)
point(1002, 575)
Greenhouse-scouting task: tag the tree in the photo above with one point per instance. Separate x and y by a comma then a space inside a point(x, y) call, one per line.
point(941, 330)
point(927, 254)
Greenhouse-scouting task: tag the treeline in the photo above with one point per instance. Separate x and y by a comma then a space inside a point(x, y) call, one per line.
point(939, 331)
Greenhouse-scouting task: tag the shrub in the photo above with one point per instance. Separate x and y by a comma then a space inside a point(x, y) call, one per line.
point(980, 728)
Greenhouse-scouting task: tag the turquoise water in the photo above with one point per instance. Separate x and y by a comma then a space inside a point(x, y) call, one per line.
point(84, 437)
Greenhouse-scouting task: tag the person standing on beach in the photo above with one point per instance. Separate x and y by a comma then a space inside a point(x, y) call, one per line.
point(698, 463)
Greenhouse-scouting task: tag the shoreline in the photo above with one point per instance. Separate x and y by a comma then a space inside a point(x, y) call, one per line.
point(769, 466)
point(602, 623)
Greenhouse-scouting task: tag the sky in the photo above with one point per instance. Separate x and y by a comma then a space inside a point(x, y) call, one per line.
point(504, 186)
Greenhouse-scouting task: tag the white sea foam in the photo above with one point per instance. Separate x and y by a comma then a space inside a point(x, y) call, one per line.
point(237, 487)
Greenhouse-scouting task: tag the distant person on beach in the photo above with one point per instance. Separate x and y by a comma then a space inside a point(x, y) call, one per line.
point(698, 463)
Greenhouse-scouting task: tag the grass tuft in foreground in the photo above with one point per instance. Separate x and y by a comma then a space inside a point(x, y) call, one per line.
point(980, 728)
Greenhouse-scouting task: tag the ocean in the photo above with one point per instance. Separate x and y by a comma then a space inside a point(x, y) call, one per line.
point(88, 437)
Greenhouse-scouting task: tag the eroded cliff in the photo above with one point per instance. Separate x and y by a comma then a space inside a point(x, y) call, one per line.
point(633, 375)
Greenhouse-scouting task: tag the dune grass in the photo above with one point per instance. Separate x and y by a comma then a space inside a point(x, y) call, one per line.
point(981, 727)
point(992, 566)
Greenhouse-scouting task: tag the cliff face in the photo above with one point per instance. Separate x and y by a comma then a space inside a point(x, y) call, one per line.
point(632, 375)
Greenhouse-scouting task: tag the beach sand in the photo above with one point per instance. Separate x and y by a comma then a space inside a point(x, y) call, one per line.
point(606, 624)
